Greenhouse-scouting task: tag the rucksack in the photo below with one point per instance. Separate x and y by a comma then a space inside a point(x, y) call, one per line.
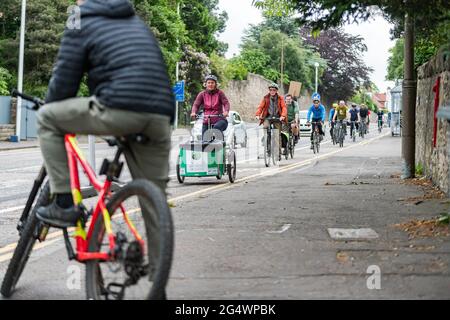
point(363, 112)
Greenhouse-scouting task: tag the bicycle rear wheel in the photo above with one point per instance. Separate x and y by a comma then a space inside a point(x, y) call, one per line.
point(275, 149)
point(180, 178)
point(25, 246)
point(231, 167)
point(140, 270)
point(292, 147)
point(286, 150)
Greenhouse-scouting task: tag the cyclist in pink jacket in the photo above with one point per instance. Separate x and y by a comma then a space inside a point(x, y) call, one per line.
point(214, 103)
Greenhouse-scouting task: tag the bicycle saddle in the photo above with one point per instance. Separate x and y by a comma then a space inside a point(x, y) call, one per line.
point(114, 141)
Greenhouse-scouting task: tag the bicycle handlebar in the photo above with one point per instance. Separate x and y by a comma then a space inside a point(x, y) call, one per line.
point(273, 119)
point(37, 102)
point(197, 116)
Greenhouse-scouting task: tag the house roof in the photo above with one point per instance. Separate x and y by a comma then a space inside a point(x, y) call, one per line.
point(380, 97)
point(380, 100)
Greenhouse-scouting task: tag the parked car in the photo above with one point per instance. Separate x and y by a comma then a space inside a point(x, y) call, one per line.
point(304, 129)
point(240, 129)
point(236, 133)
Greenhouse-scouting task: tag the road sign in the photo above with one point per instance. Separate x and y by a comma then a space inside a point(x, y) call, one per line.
point(178, 91)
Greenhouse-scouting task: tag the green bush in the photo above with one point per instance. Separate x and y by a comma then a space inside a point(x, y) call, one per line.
point(419, 169)
point(5, 82)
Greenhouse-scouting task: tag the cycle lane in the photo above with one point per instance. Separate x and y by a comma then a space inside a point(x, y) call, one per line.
point(198, 198)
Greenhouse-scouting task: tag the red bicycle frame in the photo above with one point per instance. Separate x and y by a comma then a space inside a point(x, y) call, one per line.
point(74, 156)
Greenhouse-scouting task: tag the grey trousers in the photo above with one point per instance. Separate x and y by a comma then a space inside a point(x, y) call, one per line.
point(87, 116)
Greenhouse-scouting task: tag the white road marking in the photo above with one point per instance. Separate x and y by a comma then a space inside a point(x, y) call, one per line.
point(12, 209)
point(37, 246)
point(22, 169)
point(283, 229)
point(352, 234)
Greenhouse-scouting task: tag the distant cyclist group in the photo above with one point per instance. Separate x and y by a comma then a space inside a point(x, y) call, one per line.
point(286, 110)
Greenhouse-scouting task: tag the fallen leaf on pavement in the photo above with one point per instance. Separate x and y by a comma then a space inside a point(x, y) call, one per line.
point(424, 228)
point(342, 256)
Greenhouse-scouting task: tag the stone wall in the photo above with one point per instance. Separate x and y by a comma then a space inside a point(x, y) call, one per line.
point(245, 95)
point(13, 110)
point(433, 160)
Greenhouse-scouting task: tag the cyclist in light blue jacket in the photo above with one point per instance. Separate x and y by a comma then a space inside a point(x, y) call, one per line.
point(318, 112)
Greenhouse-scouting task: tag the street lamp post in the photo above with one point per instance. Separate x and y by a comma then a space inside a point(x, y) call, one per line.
point(177, 75)
point(317, 74)
point(20, 71)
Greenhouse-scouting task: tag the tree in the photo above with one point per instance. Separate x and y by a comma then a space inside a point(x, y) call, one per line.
point(5, 79)
point(261, 53)
point(203, 22)
point(285, 24)
point(227, 69)
point(194, 67)
point(324, 14)
point(196, 27)
point(431, 18)
point(345, 70)
point(167, 26)
point(237, 69)
point(45, 24)
point(364, 96)
point(396, 61)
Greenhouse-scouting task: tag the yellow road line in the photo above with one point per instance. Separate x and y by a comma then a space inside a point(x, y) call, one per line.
point(38, 246)
point(268, 172)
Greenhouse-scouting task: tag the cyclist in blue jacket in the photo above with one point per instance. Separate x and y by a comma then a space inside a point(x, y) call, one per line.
point(317, 110)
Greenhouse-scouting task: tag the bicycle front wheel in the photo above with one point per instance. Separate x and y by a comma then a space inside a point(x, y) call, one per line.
point(142, 224)
point(292, 148)
point(267, 145)
point(25, 245)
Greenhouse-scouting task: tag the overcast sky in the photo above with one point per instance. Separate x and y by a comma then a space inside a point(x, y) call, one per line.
point(375, 32)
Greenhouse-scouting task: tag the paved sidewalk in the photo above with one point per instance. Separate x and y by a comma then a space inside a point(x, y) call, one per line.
point(6, 145)
point(268, 238)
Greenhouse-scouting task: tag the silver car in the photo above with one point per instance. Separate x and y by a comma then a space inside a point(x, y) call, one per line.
point(239, 129)
point(304, 129)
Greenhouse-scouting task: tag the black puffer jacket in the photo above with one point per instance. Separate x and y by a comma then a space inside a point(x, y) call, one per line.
point(125, 66)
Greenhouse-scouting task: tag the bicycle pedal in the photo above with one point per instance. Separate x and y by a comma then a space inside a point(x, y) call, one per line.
point(44, 228)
